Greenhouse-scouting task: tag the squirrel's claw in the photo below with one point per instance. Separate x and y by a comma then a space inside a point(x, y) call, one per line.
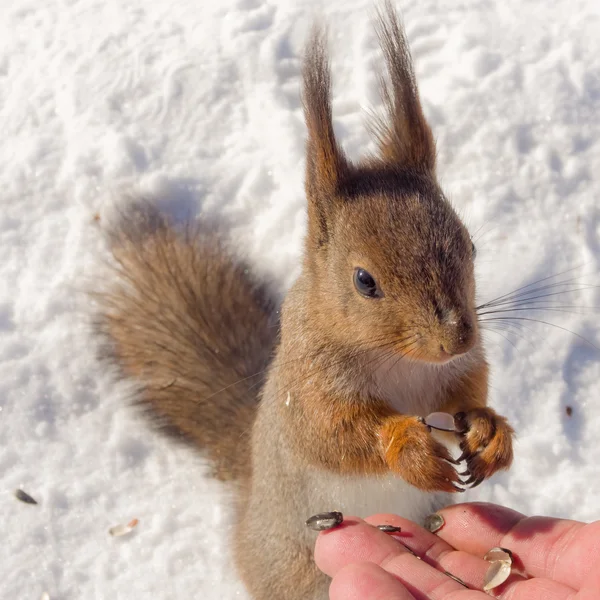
point(473, 481)
point(465, 454)
point(486, 444)
point(411, 451)
point(477, 482)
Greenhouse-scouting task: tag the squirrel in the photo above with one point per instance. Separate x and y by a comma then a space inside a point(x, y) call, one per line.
point(318, 404)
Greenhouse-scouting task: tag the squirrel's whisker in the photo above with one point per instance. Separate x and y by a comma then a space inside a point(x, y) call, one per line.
point(506, 337)
point(516, 301)
point(526, 295)
point(519, 309)
point(507, 319)
point(533, 283)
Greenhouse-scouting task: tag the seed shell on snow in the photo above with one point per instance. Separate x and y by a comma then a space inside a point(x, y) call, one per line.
point(24, 497)
point(325, 521)
point(434, 522)
point(500, 560)
point(119, 530)
point(441, 421)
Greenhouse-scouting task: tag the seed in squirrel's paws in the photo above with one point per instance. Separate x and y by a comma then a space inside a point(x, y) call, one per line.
point(440, 420)
point(500, 560)
point(119, 530)
point(325, 521)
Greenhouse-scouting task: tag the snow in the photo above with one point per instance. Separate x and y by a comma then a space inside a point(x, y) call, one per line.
point(197, 102)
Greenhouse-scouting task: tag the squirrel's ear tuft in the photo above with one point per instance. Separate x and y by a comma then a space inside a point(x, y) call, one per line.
point(405, 138)
point(326, 165)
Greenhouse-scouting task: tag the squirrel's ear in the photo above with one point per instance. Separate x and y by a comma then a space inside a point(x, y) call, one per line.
point(405, 138)
point(326, 165)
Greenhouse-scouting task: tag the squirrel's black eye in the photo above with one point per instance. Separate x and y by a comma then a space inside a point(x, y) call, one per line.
point(365, 284)
point(473, 250)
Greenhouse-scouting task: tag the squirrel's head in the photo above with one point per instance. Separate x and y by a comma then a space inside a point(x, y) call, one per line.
point(387, 256)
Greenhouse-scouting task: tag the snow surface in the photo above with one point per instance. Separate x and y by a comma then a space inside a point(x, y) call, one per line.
point(198, 102)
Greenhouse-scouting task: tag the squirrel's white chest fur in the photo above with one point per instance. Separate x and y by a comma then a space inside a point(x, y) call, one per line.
point(411, 388)
point(414, 388)
point(364, 496)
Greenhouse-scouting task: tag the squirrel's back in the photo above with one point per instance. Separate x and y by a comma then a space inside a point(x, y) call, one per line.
point(184, 319)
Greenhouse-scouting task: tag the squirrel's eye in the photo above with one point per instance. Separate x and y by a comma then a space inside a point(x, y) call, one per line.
point(473, 250)
point(365, 284)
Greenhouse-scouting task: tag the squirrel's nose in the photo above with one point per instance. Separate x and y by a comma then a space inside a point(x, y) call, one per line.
point(458, 334)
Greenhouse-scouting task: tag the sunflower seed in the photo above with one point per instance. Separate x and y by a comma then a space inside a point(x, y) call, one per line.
point(440, 420)
point(24, 497)
point(434, 522)
point(408, 548)
point(500, 560)
point(457, 579)
point(498, 553)
point(389, 528)
point(325, 521)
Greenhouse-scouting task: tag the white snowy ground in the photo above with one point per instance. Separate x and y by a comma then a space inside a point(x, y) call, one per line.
point(197, 102)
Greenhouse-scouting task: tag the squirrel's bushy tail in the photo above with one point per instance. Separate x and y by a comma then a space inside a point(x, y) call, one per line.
point(183, 319)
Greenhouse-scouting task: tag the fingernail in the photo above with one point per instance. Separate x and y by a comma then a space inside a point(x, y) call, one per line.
point(434, 522)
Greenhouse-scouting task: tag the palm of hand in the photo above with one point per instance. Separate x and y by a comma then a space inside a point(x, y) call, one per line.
point(554, 559)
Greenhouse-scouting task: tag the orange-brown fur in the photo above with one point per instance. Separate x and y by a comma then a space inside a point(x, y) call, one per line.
point(352, 376)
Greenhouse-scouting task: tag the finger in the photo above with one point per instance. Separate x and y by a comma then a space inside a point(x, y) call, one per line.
point(367, 581)
point(435, 551)
point(467, 567)
point(591, 586)
point(472, 571)
point(423, 581)
point(353, 542)
point(539, 588)
point(427, 583)
point(557, 549)
point(357, 542)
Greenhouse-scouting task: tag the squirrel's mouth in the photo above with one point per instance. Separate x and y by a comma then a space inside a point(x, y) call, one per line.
point(450, 341)
point(444, 357)
point(441, 357)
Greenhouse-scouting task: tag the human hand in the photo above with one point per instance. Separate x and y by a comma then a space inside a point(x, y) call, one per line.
point(553, 559)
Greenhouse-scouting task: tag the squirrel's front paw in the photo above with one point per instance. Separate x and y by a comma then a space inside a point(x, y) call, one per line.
point(411, 451)
point(486, 443)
